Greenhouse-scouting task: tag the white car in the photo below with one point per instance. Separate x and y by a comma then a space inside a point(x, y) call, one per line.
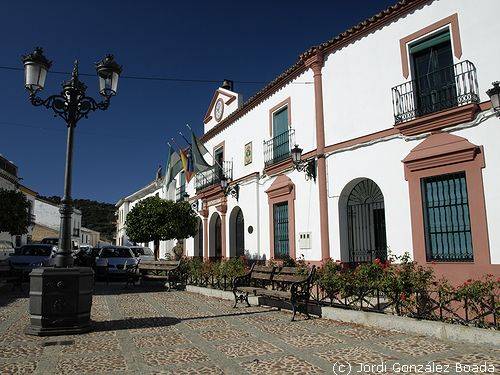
point(6, 249)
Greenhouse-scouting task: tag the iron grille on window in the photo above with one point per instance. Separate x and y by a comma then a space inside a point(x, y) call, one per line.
point(281, 240)
point(278, 148)
point(445, 88)
point(446, 218)
point(213, 176)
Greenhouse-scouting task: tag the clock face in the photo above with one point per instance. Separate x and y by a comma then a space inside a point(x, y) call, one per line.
point(219, 109)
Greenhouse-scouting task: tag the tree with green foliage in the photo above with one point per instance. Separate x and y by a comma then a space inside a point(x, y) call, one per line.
point(156, 219)
point(13, 212)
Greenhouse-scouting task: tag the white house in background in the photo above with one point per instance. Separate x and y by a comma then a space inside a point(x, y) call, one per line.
point(9, 180)
point(89, 237)
point(48, 220)
point(394, 118)
point(126, 204)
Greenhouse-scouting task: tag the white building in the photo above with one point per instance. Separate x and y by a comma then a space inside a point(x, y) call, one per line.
point(48, 220)
point(124, 205)
point(395, 117)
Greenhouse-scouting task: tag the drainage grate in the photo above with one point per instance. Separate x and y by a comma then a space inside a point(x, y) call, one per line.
point(61, 343)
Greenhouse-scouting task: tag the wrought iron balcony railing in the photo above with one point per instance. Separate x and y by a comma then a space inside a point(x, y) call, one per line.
point(442, 89)
point(213, 176)
point(278, 148)
point(180, 193)
point(31, 219)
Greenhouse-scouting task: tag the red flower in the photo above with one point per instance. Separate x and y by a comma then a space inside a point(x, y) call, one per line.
point(402, 296)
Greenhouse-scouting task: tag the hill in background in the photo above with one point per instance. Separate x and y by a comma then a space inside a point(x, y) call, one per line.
point(98, 216)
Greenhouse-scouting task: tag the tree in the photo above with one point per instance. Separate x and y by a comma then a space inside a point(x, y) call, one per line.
point(156, 219)
point(13, 212)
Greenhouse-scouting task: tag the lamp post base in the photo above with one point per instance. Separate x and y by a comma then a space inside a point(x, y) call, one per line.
point(60, 301)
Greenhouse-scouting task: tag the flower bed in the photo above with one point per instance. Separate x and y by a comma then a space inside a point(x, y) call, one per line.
point(398, 286)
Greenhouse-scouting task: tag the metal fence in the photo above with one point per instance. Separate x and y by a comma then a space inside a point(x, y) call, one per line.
point(213, 175)
point(278, 148)
point(442, 89)
point(426, 305)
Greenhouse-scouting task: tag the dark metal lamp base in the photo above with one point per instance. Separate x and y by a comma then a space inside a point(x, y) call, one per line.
point(60, 301)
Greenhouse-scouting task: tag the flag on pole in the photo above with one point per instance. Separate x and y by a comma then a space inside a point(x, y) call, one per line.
point(197, 152)
point(174, 165)
point(187, 164)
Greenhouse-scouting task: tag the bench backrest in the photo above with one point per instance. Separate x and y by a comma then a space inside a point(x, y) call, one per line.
point(263, 272)
point(290, 275)
point(160, 265)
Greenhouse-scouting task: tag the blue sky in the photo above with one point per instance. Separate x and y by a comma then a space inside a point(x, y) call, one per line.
point(118, 151)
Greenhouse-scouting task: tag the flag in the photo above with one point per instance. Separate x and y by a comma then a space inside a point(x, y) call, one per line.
point(197, 152)
point(187, 164)
point(174, 165)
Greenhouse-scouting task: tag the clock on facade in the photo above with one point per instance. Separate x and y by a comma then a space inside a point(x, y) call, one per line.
point(219, 109)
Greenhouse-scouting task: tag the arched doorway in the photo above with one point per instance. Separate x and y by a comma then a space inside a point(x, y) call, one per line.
point(215, 237)
point(236, 233)
point(362, 220)
point(198, 241)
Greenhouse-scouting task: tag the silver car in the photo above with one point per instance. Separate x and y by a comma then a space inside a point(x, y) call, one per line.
point(116, 259)
point(33, 256)
point(143, 253)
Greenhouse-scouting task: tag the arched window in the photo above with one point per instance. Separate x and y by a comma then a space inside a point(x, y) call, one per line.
point(198, 240)
point(365, 224)
point(215, 236)
point(236, 233)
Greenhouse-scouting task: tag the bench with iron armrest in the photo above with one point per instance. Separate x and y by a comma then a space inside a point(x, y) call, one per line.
point(259, 278)
point(287, 284)
point(167, 270)
point(9, 274)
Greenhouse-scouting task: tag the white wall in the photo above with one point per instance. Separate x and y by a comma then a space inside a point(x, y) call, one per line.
point(357, 79)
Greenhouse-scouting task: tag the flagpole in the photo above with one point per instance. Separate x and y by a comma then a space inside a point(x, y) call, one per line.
point(213, 158)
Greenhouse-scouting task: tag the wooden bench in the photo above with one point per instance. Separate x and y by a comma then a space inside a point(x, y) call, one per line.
point(164, 270)
point(9, 274)
point(288, 284)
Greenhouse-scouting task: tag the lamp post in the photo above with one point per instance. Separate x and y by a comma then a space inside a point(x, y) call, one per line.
point(61, 297)
point(494, 94)
point(307, 166)
point(233, 190)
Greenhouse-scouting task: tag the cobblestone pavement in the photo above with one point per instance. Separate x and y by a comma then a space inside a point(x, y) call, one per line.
point(141, 331)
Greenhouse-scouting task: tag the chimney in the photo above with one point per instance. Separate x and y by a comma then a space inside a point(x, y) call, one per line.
point(227, 84)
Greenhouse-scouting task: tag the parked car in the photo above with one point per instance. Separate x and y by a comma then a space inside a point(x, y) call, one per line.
point(143, 253)
point(55, 241)
point(33, 256)
point(6, 249)
point(116, 258)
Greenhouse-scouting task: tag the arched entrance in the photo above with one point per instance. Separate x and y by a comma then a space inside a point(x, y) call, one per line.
point(236, 233)
point(215, 237)
point(362, 220)
point(198, 241)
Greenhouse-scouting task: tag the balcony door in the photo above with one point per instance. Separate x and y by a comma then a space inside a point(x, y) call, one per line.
point(219, 163)
point(434, 75)
point(281, 145)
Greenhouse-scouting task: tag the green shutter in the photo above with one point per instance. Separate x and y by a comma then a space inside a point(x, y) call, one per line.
point(443, 36)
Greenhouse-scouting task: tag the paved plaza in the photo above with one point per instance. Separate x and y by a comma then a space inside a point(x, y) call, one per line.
point(140, 331)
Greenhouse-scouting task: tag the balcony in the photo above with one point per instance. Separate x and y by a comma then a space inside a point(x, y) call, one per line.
point(213, 176)
point(180, 193)
point(447, 88)
point(31, 219)
point(76, 232)
point(278, 148)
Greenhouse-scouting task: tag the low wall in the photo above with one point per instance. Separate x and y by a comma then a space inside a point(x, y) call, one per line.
point(439, 330)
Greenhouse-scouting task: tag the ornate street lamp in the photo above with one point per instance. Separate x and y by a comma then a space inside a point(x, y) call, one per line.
point(308, 166)
point(233, 190)
point(494, 94)
point(61, 297)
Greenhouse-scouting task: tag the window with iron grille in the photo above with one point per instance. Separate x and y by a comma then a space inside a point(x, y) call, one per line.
point(448, 234)
point(281, 240)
